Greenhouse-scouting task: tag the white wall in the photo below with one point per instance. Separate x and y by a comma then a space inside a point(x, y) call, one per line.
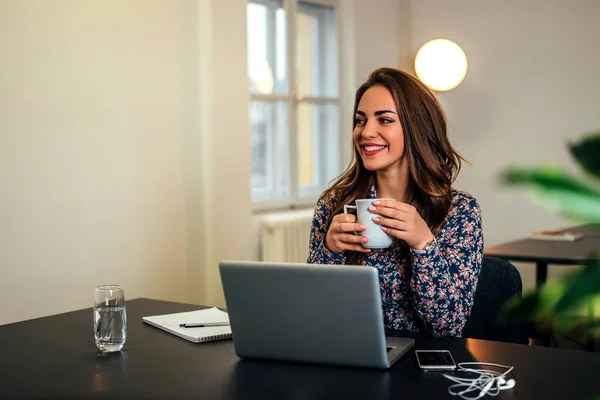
point(382, 32)
point(90, 152)
point(531, 86)
point(218, 166)
point(124, 153)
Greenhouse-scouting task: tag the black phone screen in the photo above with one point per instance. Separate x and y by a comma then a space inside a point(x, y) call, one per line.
point(435, 358)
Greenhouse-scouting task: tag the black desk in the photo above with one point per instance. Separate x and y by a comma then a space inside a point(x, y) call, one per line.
point(544, 252)
point(56, 357)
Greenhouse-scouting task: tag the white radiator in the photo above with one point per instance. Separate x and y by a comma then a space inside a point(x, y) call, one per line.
point(284, 237)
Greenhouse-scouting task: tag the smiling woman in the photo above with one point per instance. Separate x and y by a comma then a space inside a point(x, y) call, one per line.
point(404, 161)
point(377, 128)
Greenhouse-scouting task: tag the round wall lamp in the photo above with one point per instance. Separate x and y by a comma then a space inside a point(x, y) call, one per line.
point(441, 64)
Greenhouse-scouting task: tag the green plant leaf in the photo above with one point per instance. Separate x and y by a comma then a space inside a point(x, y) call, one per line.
point(585, 285)
point(582, 328)
point(587, 153)
point(547, 177)
point(551, 306)
point(593, 328)
point(539, 303)
point(558, 192)
point(521, 309)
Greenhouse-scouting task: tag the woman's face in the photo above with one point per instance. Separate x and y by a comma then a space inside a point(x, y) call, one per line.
point(378, 135)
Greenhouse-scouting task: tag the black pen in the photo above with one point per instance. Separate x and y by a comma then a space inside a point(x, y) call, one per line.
point(203, 324)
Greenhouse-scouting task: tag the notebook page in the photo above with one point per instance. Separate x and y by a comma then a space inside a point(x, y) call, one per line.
point(171, 322)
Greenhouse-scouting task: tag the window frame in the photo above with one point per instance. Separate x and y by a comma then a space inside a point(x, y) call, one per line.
point(293, 100)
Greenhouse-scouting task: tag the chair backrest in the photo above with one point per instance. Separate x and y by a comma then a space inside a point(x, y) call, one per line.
point(499, 280)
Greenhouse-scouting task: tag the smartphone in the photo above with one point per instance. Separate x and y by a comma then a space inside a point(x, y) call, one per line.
point(435, 360)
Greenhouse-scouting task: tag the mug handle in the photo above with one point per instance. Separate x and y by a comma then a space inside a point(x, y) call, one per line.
point(346, 207)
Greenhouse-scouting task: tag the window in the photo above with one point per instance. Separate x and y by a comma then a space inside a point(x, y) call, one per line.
point(293, 78)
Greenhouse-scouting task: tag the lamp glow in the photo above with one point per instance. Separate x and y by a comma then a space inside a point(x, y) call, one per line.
point(441, 64)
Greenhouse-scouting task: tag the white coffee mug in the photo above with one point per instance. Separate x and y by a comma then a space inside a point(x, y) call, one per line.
point(378, 239)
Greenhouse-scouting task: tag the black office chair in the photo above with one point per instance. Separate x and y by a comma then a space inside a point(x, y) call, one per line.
point(499, 280)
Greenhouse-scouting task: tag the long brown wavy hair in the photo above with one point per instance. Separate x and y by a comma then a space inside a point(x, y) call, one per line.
point(433, 162)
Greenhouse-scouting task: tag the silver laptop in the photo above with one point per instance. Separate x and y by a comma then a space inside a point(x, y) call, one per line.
point(324, 314)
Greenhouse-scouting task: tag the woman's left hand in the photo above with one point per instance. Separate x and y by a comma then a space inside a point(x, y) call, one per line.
point(402, 220)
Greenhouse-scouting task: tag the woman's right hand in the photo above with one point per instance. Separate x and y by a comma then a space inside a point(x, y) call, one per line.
point(341, 235)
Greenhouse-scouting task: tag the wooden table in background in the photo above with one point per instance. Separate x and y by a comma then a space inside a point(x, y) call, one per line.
point(544, 252)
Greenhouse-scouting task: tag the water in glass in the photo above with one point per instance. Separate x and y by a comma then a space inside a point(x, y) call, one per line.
point(111, 327)
point(110, 318)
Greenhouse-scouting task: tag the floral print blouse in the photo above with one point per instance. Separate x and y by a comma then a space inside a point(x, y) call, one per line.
point(426, 291)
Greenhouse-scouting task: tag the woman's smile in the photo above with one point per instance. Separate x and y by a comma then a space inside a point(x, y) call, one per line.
point(371, 149)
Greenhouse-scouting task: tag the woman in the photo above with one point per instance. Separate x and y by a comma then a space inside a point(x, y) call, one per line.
point(401, 151)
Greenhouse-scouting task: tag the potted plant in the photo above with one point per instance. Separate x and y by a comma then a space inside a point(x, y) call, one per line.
point(557, 302)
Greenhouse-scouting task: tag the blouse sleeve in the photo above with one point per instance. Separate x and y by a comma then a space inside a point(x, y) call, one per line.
point(317, 252)
point(445, 274)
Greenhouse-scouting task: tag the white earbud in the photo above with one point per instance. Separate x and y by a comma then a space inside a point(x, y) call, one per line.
point(503, 385)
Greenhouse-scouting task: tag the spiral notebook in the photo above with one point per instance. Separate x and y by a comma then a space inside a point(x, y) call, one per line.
point(171, 323)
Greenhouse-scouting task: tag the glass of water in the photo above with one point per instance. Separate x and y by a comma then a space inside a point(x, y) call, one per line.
point(110, 318)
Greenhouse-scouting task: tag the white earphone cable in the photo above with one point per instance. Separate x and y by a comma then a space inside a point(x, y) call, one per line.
point(488, 382)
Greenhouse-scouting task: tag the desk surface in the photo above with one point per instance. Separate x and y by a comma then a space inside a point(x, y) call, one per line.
point(56, 357)
point(551, 252)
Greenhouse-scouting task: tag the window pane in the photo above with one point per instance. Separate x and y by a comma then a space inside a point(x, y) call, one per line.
point(316, 49)
point(269, 138)
point(317, 147)
point(266, 44)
